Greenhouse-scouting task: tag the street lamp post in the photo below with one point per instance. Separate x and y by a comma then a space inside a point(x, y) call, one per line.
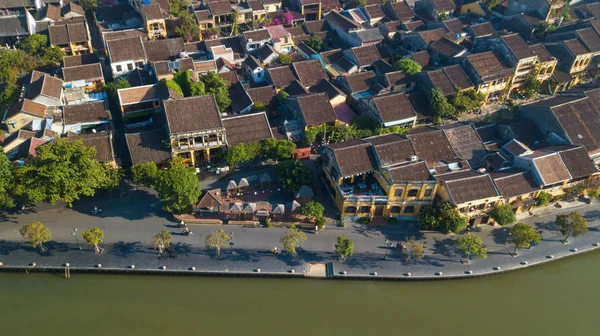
point(74, 233)
point(388, 245)
point(231, 243)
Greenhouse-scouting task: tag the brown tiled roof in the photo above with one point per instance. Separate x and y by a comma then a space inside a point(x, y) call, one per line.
point(192, 114)
point(71, 61)
point(148, 146)
point(256, 5)
point(211, 199)
point(117, 35)
point(517, 46)
point(309, 72)
point(526, 131)
point(590, 38)
point(514, 183)
point(374, 11)
point(443, 5)
point(468, 189)
point(27, 106)
point(316, 109)
point(397, 78)
point(247, 128)
point(265, 95)
point(366, 55)
point(578, 162)
point(162, 50)
point(205, 66)
point(65, 33)
point(421, 57)
point(412, 25)
point(296, 31)
point(429, 36)
point(551, 169)
point(331, 56)
point(402, 11)
point(230, 76)
point(353, 157)
point(101, 141)
point(576, 47)
point(433, 147)
point(417, 171)
point(581, 121)
point(219, 7)
point(446, 47)
point(72, 7)
point(341, 21)
point(85, 113)
point(203, 15)
point(393, 107)
point(325, 86)
point(83, 72)
point(316, 26)
point(489, 133)
point(391, 149)
point(138, 94)
point(126, 49)
point(484, 29)
point(46, 85)
point(281, 76)
point(541, 52)
point(361, 81)
point(152, 12)
point(454, 26)
point(466, 143)
point(161, 68)
point(449, 79)
point(489, 66)
point(257, 35)
point(52, 12)
point(516, 148)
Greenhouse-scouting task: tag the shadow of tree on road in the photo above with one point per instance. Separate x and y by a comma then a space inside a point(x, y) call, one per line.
point(592, 215)
point(7, 247)
point(125, 249)
point(446, 247)
point(501, 235)
point(546, 226)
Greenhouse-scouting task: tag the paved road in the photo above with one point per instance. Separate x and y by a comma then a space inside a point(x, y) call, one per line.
point(129, 223)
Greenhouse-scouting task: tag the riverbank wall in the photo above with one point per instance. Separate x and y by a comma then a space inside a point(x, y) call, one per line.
point(334, 270)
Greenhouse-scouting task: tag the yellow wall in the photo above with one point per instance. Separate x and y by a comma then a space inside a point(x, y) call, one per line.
point(472, 7)
point(20, 120)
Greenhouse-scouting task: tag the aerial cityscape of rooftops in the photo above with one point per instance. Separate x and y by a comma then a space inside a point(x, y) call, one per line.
point(301, 138)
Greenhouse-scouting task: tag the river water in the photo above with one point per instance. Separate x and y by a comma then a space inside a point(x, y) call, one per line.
point(561, 298)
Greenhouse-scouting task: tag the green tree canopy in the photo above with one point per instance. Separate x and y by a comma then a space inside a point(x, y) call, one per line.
point(217, 86)
point(278, 149)
point(293, 175)
point(344, 247)
point(53, 55)
point(88, 5)
point(7, 180)
point(466, 100)
point(571, 224)
point(503, 214)
point(285, 58)
point(34, 44)
point(179, 187)
point(282, 96)
point(440, 105)
point(408, 66)
point(543, 198)
point(217, 240)
point(145, 173)
point(187, 26)
point(522, 235)
point(113, 87)
point(171, 84)
point(413, 250)
point(490, 4)
point(94, 236)
point(161, 241)
point(443, 217)
point(37, 234)
point(316, 43)
point(292, 240)
point(63, 170)
point(313, 210)
point(471, 245)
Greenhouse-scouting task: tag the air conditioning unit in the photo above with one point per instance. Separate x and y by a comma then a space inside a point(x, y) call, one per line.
point(414, 158)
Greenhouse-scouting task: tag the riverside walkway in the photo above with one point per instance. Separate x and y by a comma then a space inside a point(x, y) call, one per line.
point(127, 243)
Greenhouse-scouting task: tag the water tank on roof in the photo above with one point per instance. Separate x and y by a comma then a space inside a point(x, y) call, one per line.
point(146, 2)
